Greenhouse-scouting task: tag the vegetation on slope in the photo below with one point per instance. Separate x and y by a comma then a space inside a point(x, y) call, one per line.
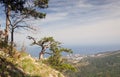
point(23, 65)
point(102, 66)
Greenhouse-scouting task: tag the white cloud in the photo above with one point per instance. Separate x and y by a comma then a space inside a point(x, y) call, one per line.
point(100, 32)
point(82, 4)
point(55, 17)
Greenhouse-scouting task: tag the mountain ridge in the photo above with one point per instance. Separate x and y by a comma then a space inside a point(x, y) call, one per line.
point(106, 64)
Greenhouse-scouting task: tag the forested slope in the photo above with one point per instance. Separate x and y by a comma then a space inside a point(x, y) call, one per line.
point(105, 65)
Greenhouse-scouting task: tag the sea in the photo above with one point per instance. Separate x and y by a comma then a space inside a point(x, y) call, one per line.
point(82, 50)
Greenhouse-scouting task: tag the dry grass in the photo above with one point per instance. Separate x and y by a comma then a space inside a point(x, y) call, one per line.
point(32, 67)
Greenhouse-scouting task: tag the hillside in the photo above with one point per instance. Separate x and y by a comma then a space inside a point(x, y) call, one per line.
point(101, 65)
point(23, 65)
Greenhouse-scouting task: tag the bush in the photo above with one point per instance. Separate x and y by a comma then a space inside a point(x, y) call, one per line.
point(59, 64)
point(2, 44)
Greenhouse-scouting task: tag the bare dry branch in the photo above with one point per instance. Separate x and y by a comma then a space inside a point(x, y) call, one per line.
point(31, 38)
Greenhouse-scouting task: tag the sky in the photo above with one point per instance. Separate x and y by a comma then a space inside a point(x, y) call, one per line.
point(81, 23)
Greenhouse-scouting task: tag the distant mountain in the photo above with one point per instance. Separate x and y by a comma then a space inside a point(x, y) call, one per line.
point(104, 64)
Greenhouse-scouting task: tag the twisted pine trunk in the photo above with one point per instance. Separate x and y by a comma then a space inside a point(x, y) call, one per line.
point(41, 54)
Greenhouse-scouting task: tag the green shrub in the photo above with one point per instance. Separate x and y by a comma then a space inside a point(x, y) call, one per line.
point(28, 65)
point(59, 64)
point(3, 44)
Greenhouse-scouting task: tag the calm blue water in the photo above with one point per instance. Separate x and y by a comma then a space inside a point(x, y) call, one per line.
point(83, 50)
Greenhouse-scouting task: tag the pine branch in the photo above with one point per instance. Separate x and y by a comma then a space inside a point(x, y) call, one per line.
point(31, 38)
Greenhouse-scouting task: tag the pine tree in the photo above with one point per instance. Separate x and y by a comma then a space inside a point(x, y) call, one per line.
point(29, 8)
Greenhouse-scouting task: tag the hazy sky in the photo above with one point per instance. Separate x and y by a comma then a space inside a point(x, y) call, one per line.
point(80, 22)
point(83, 22)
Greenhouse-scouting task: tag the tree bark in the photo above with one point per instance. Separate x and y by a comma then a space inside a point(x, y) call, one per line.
point(7, 23)
point(41, 54)
point(12, 42)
